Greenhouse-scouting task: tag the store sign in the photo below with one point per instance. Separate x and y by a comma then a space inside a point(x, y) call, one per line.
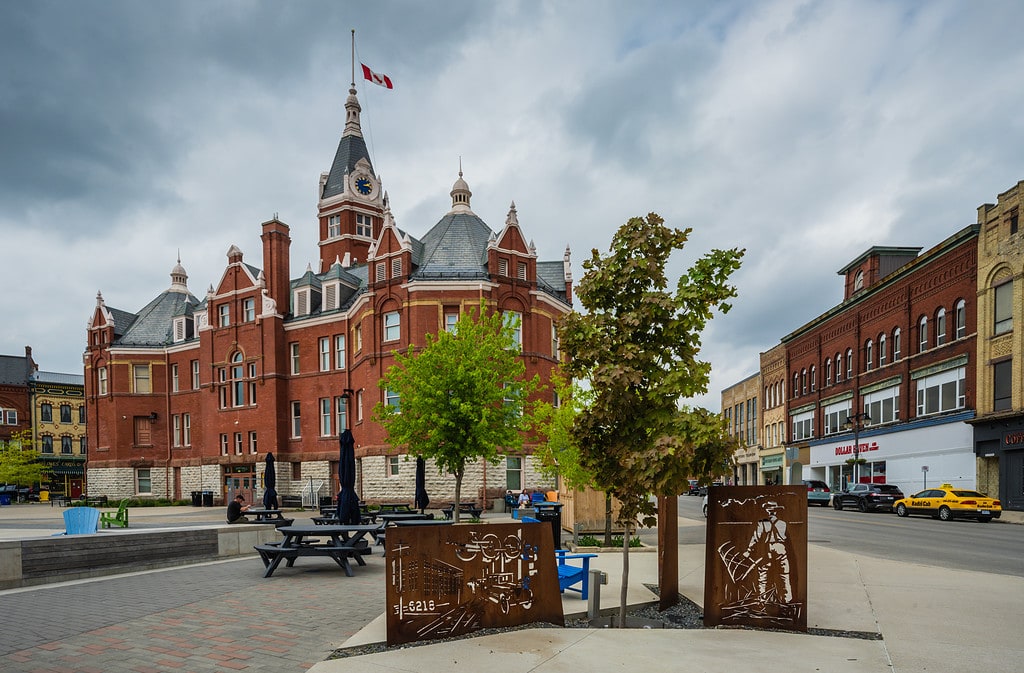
point(1013, 439)
point(771, 461)
point(847, 449)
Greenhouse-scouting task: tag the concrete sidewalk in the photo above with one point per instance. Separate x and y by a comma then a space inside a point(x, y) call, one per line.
point(929, 618)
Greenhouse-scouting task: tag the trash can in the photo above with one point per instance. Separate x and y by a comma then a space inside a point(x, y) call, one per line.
point(5, 499)
point(207, 498)
point(197, 498)
point(551, 511)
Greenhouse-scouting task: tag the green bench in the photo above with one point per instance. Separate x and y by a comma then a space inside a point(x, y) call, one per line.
point(118, 518)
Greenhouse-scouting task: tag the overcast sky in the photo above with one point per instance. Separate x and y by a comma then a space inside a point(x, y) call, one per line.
point(805, 132)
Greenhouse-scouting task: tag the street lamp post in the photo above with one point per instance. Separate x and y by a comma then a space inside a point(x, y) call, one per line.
point(855, 422)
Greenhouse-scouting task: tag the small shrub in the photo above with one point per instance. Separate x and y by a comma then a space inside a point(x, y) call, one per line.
point(591, 541)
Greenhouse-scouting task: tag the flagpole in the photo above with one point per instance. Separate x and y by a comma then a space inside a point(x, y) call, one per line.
point(353, 58)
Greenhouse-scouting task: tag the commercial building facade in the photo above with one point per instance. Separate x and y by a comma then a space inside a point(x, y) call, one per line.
point(999, 425)
point(739, 406)
point(190, 394)
point(893, 363)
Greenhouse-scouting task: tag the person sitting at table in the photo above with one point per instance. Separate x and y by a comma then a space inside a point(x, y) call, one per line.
point(235, 509)
point(524, 498)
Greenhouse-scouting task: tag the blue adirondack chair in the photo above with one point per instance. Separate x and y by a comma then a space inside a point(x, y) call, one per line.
point(570, 575)
point(81, 520)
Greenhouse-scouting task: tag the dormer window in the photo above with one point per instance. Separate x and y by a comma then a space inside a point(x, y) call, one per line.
point(301, 302)
point(179, 329)
point(330, 296)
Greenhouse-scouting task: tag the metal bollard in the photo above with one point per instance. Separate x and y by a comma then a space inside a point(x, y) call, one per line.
point(597, 578)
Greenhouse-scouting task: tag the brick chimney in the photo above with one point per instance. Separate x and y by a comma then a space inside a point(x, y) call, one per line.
point(276, 243)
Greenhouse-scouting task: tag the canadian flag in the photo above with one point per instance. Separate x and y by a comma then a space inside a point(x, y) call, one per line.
point(377, 78)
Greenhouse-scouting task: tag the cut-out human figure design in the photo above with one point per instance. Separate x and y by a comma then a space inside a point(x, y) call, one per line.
point(760, 586)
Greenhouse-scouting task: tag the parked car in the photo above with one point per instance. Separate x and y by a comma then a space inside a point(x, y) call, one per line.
point(818, 492)
point(704, 489)
point(868, 497)
point(694, 489)
point(15, 493)
point(949, 503)
point(704, 506)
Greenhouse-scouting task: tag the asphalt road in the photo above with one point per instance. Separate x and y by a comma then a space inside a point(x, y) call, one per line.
point(964, 544)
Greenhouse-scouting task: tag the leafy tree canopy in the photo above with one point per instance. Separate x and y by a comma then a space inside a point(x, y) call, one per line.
point(558, 452)
point(462, 397)
point(19, 461)
point(638, 345)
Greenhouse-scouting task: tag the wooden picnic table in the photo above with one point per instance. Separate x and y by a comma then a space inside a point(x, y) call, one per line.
point(274, 516)
point(344, 542)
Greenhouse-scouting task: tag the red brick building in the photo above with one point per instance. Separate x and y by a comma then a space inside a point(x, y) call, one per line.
point(897, 358)
point(15, 395)
point(190, 394)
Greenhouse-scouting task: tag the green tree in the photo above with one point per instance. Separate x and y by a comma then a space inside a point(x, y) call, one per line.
point(557, 452)
point(19, 462)
point(638, 345)
point(462, 397)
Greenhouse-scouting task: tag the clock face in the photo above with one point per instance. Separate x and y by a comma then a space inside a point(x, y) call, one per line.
point(364, 186)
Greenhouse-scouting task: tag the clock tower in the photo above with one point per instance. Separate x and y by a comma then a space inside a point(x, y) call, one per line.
point(351, 205)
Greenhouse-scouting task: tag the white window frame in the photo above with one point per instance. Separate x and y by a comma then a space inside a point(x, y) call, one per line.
point(142, 385)
point(224, 315)
point(897, 339)
point(176, 432)
point(333, 226)
point(101, 381)
point(364, 225)
point(803, 425)
point(339, 351)
point(394, 466)
point(922, 334)
point(195, 374)
point(960, 313)
point(293, 357)
point(392, 399)
point(253, 443)
point(248, 309)
point(223, 444)
point(186, 429)
point(392, 326)
point(940, 327)
point(834, 416)
point(869, 355)
point(174, 378)
point(451, 321)
point(514, 320)
point(1002, 308)
point(934, 393)
point(325, 417)
point(881, 350)
point(295, 414)
point(143, 477)
point(325, 354)
point(341, 413)
point(882, 406)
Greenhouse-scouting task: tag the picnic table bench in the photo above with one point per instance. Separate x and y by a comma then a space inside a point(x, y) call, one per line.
point(464, 508)
point(344, 542)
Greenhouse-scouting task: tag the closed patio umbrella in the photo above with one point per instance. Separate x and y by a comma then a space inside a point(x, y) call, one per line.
point(270, 484)
point(348, 500)
point(421, 499)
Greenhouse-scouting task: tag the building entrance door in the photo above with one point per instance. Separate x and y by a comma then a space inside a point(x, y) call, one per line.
point(240, 480)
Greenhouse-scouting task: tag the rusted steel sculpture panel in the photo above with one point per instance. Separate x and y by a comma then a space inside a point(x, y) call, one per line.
point(756, 557)
point(447, 581)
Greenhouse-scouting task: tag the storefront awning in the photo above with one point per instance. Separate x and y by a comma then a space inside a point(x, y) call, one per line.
point(66, 470)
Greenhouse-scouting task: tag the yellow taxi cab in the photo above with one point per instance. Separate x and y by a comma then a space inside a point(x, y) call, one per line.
point(949, 503)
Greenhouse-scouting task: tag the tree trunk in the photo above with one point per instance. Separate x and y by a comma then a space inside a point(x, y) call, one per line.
point(458, 495)
point(625, 578)
point(607, 519)
point(668, 551)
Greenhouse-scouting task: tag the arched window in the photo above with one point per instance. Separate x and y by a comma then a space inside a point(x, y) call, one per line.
point(858, 281)
point(237, 380)
point(1003, 309)
point(839, 367)
point(849, 364)
point(828, 372)
point(767, 399)
point(803, 381)
point(881, 350)
point(814, 378)
point(922, 334)
point(896, 334)
point(940, 327)
point(796, 384)
point(960, 314)
point(869, 355)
